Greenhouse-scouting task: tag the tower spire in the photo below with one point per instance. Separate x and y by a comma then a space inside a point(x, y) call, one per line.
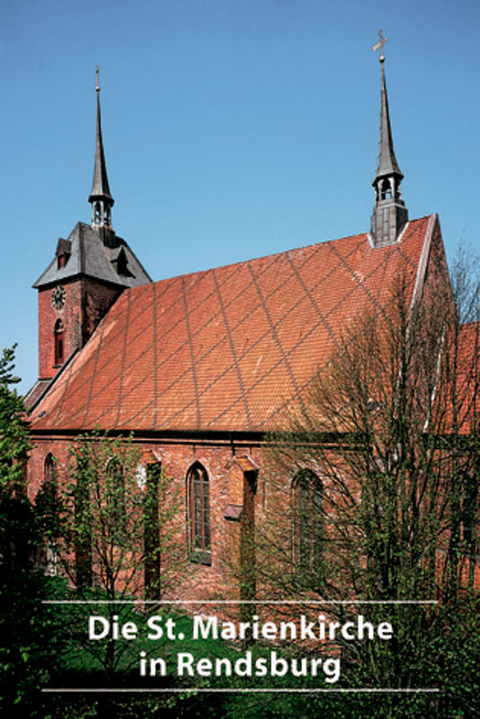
point(100, 197)
point(390, 213)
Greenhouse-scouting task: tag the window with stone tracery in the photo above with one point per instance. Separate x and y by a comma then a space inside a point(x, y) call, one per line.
point(50, 499)
point(198, 496)
point(308, 525)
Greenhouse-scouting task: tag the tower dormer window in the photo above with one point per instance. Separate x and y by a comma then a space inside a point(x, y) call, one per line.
point(60, 261)
point(64, 249)
point(120, 262)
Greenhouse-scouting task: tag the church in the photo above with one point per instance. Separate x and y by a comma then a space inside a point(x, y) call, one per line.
point(201, 367)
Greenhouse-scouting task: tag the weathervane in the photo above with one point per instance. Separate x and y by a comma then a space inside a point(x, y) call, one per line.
point(380, 44)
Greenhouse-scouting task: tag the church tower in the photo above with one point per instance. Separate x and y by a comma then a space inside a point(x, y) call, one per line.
point(89, 271)
point(390, 214)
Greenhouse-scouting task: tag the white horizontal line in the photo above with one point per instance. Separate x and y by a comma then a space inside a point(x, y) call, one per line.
point(239, 601)
point(277, 690)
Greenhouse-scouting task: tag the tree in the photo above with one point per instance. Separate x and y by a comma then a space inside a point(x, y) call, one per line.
point(28, 642)
point(14, 543)
point(113, 522)
point(383, 451)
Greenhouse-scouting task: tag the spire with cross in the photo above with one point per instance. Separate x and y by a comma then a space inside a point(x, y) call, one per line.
point(390, 213)
point(100, 197)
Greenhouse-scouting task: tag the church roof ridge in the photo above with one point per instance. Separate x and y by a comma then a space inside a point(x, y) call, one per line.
point(262, 257)
point(272, 255)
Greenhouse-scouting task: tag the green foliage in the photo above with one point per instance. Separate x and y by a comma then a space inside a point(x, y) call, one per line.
point(14, 508)
point(113, 523)
point(13, 429)
point(112, 517)
point(28, 640)
point(31, 642)
point(391, 427)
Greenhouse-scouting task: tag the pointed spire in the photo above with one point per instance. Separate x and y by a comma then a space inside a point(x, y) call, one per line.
point(389, 214)
point(100, 197)
point(387, 162)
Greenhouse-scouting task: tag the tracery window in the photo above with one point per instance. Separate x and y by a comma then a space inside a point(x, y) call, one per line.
point(308, 525)
point(116, 497)
point(198, 495)
point(50, 497)
point(148, 478)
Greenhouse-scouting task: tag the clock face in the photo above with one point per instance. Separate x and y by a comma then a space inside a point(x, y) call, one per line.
point(58, 297)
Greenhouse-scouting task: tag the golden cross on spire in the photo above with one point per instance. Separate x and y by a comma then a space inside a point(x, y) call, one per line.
point(97, 84)
point(380, 44)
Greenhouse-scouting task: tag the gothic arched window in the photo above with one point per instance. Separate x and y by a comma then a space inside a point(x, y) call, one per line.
point(115, 496)
point(308, 525)
point(50, 485)
point(149, 478)
point(198, 497)
point(59, 341)
point(49, 471)
point(50, 497)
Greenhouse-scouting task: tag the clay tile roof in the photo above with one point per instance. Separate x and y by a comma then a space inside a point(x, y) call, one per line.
point(228, 348)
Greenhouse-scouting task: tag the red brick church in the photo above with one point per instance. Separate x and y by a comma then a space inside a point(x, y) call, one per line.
point(201, 366)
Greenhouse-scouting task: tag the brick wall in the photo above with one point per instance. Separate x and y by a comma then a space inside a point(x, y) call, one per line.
point(97, 298)
point(70, 315)
point(220, 579)
point(86, 303)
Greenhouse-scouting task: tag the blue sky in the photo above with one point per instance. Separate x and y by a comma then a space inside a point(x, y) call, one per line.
point(232, 128)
